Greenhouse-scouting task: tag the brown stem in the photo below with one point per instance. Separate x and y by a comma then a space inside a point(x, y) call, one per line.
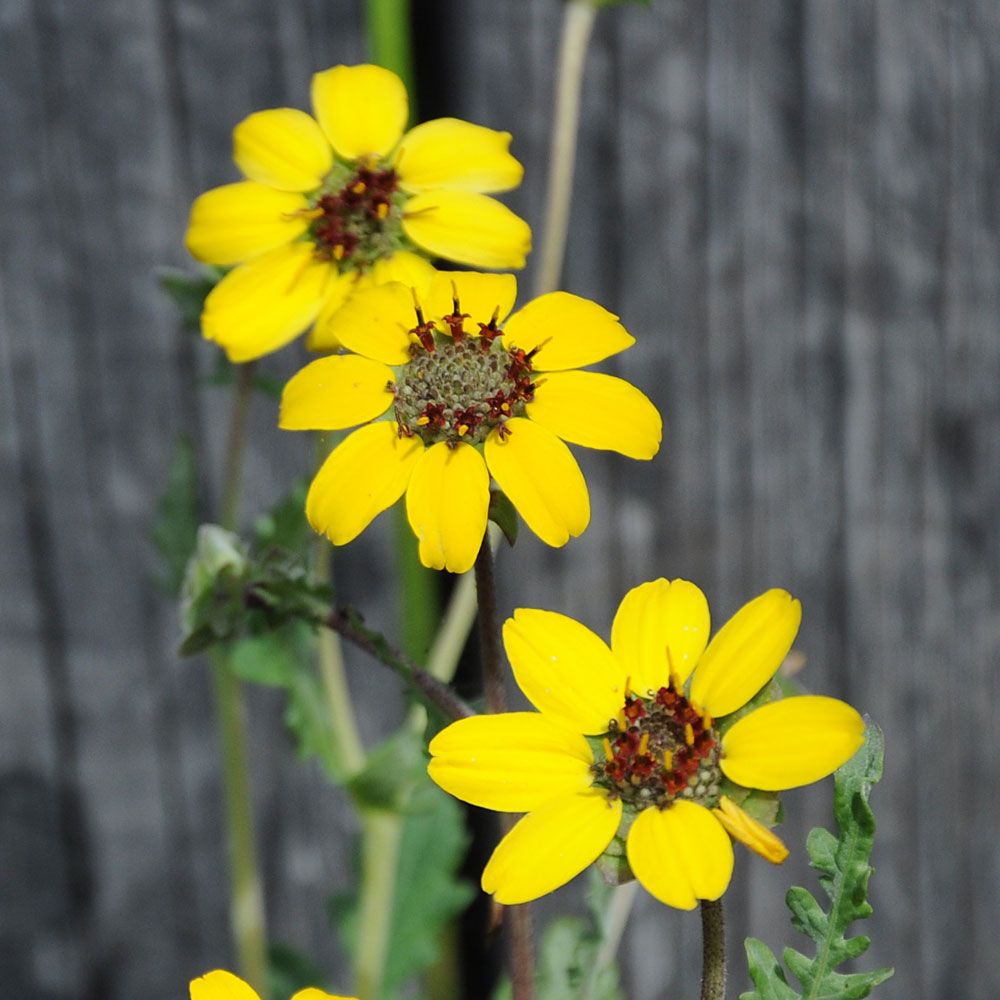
point(713, 938)
point(348, 623)
point(520, 940)
point(489, 632)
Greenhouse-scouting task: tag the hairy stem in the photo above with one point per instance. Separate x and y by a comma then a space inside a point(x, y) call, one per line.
point(578, 23)
point(713, 950)
point(489, 630)
point(247, 914)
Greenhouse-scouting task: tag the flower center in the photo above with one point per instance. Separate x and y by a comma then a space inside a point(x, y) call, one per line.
point(459, 387)
point(660, 748)
point(357, 219)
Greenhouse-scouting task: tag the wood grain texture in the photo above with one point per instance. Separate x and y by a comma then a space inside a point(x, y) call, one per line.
point(795, 207)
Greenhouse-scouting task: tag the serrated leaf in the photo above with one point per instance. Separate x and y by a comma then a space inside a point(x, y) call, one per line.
point(842, 864)
point(175, 530)
point(429, 893)
point(504, 515)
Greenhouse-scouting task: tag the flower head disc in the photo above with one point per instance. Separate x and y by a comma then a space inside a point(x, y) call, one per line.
point(334, 203)
point(473, 395)
point(628, 741)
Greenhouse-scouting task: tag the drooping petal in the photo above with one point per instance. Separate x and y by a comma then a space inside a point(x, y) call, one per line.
point(479, 295)
point(746, 652)
point(680, 854)
point(656, 617)
point(375, 322)
point(566, 331)
point(237, 222)
point(550, 846)
point(362, 109)
point(336, 392)
point(791, 742)
point(513, 762)
point(450, 153)
point(221, 985)
point(262, 305)
point(406, 267)
point(447, 503)
point(468, 228)
point(283, 148)
point(597, 411)
point(340, 288)
point(741, 826)
point(366, 473)
point(565, 670)
point(540, 476)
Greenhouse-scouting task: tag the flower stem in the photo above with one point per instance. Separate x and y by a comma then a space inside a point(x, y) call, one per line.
point(247, 915)
point(489, 632)
point(389, 41)
point(578, 23)
point(521, 948)
point(713, 938)
point(612, 929)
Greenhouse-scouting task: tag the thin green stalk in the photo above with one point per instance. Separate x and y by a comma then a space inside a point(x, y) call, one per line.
point(389, 37)
point(578, 23)
point(247, 914)
point(713, 938)
point(613, 927)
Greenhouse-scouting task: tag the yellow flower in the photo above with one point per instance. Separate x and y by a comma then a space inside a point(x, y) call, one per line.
point(468, 394)
point(222, 985)
point(343, 199)
point(626, 741)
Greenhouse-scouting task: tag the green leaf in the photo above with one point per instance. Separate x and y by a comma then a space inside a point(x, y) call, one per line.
point(390, 773)
point(429, 893)
point(285, 526)
point(503, 515)
point(189, 291)
point(842, 863)
point(290, 971)
point(568, 966)
point(175, 530)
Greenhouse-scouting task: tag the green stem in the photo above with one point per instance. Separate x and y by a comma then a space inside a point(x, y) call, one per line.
point(247, 914)
point(613, 927)
point(389, 41)
point(713, 936)
point(578, 22)
point(420, 609)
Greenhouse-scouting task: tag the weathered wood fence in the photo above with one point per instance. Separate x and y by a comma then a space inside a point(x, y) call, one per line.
point(794, 205)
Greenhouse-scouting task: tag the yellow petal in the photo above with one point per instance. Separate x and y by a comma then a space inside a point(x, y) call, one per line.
point(340, 288)
point(655, 617)
point(447, 503)
point(746, 652)
point(221, 985)
point(409, 268)
point(336, 392)
point(262, 305)
point(362, 109)
point(512, 762)
point(550, 846)
point(597, 411)
point(566, 331)
point(468, 228)
point(236, 222)
point(364, 474)
point(479, 295)
point(680, 854)
point(741, 826)
point(449, 153)
point(565, 670)
point(311, 993)
point(376, 322)
point(283, 148)
point(791, 742)
point(540, 476)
